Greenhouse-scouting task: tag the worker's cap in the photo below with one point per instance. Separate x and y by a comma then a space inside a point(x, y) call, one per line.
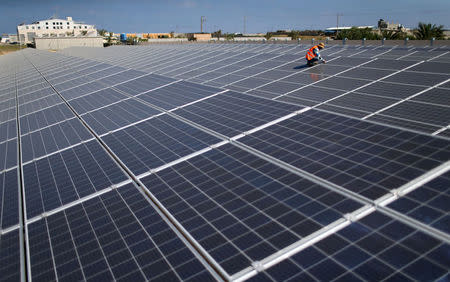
point(321, 45)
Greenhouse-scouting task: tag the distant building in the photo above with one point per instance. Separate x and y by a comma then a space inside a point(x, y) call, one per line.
point(54, 28)
point(9, 38)
point(199, 36)
point(334, 29)
point(383, 25)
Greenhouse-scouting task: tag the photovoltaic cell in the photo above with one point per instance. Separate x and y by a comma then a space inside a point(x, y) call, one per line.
point(8, 159)
point(241, 208)
point(364, 158)
point(438, 96)
point(422, 79)
point(46, 117)
point(117, 236)
point(8, 130)
point(68, 176)
point(177, 94)
point(10, 256)
point(428, 203)
point(118, 115)
point(96, 100)
point(312, 93)
point(9, 199)
point(81, 90)
point(374, 248)
point(436, 115)
point(155, 142)
point(145, 83)
point(232, 113)
point(53, 138)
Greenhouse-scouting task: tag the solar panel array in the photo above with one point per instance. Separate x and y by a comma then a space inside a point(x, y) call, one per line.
point(225, 162)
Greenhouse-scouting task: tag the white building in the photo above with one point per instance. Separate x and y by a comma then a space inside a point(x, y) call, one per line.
point(54, 28)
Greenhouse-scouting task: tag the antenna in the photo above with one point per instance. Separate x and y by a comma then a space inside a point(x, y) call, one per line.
point(202, 20)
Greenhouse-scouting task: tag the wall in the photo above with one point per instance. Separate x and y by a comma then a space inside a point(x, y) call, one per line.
point(52, 43)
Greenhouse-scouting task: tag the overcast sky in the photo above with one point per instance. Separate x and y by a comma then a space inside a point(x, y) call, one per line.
point(228, 15)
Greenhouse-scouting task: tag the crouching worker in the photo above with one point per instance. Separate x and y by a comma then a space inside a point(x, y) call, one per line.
point(313, 55)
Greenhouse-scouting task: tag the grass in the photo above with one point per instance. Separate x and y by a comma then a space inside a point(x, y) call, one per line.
point(5, 49)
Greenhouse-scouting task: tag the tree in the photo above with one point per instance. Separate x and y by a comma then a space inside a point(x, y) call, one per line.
point(268, 35)
point(217, 34)
point(428, 31)
point(102, 32)
point(83, 32)
point(294, 35)
point(358, 33)
point(393, 34)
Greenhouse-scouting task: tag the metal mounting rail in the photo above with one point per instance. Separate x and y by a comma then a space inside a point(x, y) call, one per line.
point(25, 268)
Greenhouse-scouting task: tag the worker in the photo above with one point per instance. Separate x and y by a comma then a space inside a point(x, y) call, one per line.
point(313, 55)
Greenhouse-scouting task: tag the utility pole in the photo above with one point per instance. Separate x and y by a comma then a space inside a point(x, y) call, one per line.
point(337, 22)
point(245, 25)
point(202, 20)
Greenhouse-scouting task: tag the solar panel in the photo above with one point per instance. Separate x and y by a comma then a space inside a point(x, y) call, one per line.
point(10, 256)
point(224, 162)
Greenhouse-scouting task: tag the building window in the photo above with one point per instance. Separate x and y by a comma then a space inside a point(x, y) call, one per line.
point(32, 27)
point(53, 23)
point(85, 27)
point(39, 27)
point(46, 27)
point(54, 28)
point(46, 23)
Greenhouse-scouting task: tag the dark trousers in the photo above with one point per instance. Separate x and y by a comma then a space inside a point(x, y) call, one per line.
point(312, 62)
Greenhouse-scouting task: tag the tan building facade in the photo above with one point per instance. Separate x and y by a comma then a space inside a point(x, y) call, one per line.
point(54, 28)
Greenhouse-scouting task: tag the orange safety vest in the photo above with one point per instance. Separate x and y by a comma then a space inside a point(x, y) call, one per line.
point(310, 54)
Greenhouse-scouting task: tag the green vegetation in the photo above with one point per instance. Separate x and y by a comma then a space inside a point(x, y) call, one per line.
point(423, 31)
point(102, 32)
point(217, 34)
point(5, 49)
point(358, 33)
point(428, 31)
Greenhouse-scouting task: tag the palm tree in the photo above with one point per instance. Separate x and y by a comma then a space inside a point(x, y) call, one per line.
point(393, 34)
point(428, 31)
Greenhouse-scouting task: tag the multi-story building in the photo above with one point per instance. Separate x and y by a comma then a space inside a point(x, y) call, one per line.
point(54, 28)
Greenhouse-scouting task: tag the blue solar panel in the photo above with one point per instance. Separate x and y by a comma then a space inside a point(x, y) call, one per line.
point(241, 208)
point(118, 115)
point(298, 182)
point(53, 138)
point(9, 199)
point(46, 117)
point(232, 113)
point(177, 94)
point(143, 84)
point(117, 236)
point(155, 142)
point(8, 130)
point(10, 256)
point(364, 158)
point(428, 203)
point(68, 176)
point(96, 100)
point(374, 248)
point(8, 159)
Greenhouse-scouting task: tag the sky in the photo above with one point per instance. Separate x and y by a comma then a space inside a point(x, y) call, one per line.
point(146, 16)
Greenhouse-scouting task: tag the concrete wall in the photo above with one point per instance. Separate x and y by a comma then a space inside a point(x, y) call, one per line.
point(164, 40)
point(58, 43)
